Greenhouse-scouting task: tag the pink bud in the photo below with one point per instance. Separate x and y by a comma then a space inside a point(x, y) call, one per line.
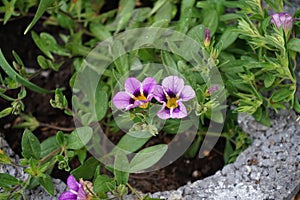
point(206, 37)
point(212, 89)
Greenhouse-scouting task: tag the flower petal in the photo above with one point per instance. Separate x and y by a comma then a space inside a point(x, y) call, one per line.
point(72, 183)
point(121, 100)
point(164, 113)
point(187, 93)
point(148, 85)
point(180, 111)
point(132, 85)
point(159, 94)
point(81, 194)
point(173, 85)
point(67, 196)
point(275, 20)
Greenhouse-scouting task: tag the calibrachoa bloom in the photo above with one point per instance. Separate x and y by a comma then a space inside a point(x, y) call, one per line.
point(171, 94)
point(77, 190)
point(284, 20)
point(136, 94)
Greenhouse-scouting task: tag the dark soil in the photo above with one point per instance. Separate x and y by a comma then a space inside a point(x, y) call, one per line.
point(11, 38)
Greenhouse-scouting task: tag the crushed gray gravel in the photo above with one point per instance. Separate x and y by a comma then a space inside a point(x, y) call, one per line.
point(268, 169)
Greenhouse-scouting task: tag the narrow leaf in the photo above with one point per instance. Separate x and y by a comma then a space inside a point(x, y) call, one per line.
point(43, 6)
point(5, 112)
point(101, 103)
point(121, 168)
point(17, 77)
point(8, 180)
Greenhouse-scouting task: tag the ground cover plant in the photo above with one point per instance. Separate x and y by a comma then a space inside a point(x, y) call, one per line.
point(141, 84)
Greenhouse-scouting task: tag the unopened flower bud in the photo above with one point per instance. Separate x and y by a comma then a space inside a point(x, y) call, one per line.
point(212, 89)
point(206, 37)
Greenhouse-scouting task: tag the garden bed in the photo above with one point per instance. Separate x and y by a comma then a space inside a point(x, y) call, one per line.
point(268, 169)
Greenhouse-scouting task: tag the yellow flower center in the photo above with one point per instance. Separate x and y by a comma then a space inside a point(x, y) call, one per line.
point(172, 103)
point(142, 97)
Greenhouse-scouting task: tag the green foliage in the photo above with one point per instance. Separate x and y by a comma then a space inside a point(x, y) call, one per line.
point(147, 157)
point(31, 146)
point(87, 170)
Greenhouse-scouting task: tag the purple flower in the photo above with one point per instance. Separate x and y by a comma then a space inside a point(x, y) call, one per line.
point(76, 191)
point(171, 94)
point(135, 94)
point(206, 37)
point(284, 20)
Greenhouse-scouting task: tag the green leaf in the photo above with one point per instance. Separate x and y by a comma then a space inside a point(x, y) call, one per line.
point(294, 44)
point(81, 154)
point(164, 14)
point(4, 159)
point(132, 141)
point(281, 94)
point(80, 137)
point(157, 6)
point(18, 59)
point(102, 184)
point(59, 101)
point(269, 80)
point(101, 103)
point(228, 151)
point(121, 168)
point(30, 145)
point(211, 20)
point(46, 63)
point(168, 60)
point(197, 33)
point(5, 195)
point(258, 114)
point(9, 8)
point(227, 38)
point(194, 148)
point(5, 112)
point(99, 31)
point(124, 13)
point(60, 137)
point(8, 180)
point(47, 184)
point(43, 6)
point(265, 119)
point(147, 157)
point(296, 104)
point(17, 77)
point(217, 116)
point(185, 15)
point(49, 145)
point(87, 170)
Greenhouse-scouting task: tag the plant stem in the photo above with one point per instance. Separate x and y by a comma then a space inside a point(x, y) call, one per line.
point(134, 191)
point(57, 127)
